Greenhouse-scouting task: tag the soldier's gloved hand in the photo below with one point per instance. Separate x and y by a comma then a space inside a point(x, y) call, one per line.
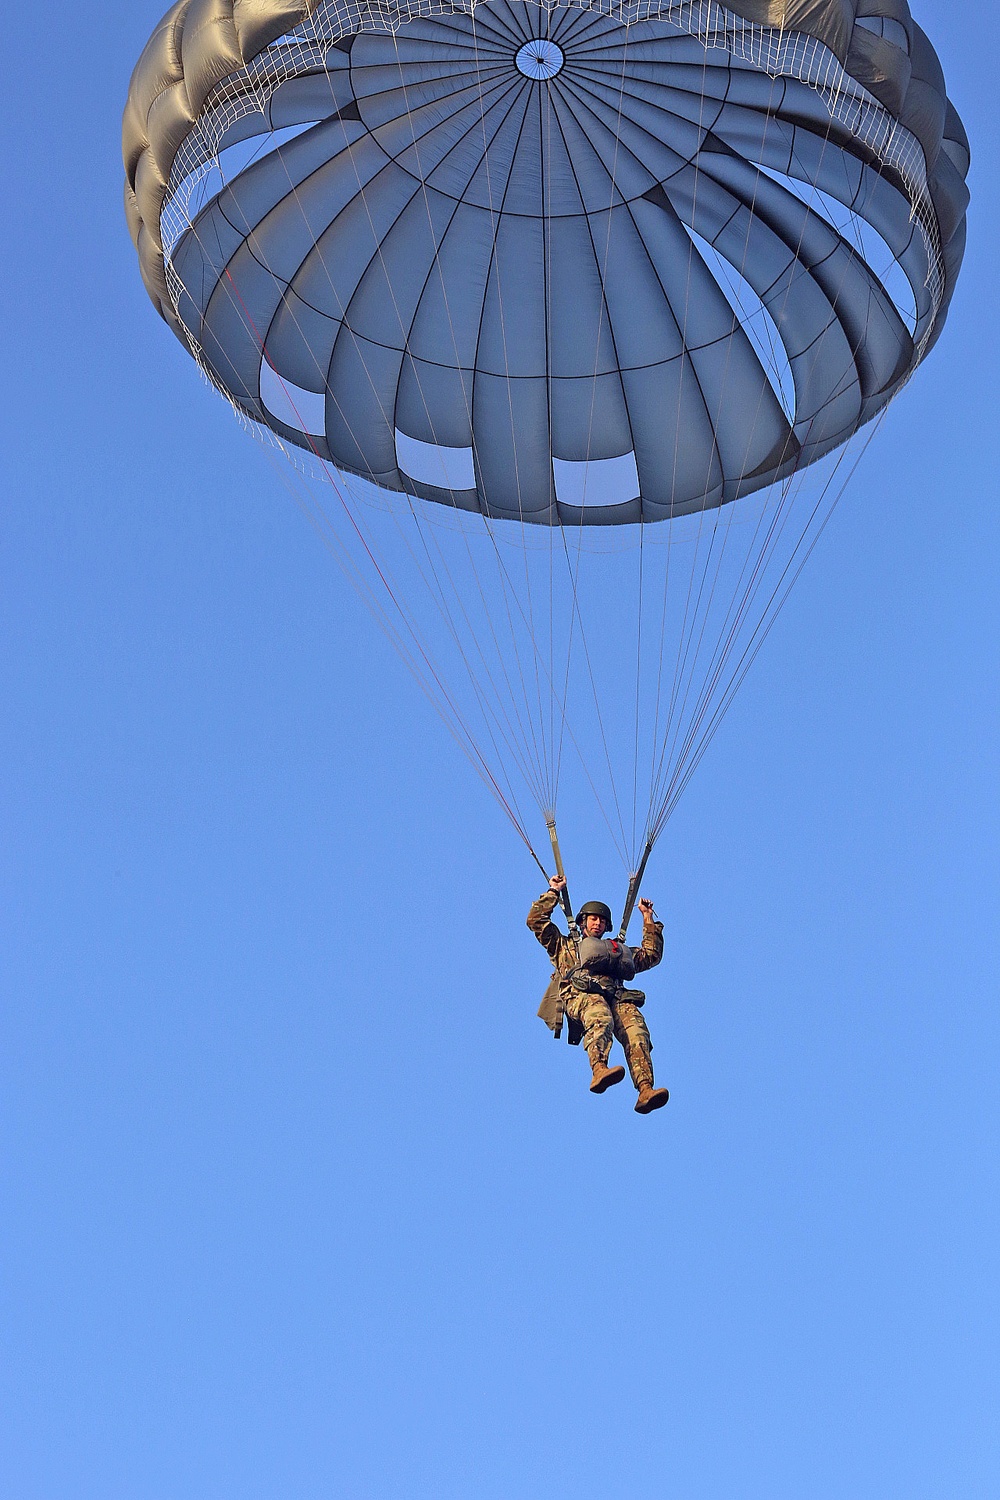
point(557, 883)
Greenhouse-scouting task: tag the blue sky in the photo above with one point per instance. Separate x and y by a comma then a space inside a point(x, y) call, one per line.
point(300, 1198)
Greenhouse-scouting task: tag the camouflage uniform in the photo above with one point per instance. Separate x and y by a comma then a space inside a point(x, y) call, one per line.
point(596, 1019)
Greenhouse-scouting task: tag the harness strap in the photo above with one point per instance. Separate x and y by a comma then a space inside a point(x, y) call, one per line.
point(564, 893)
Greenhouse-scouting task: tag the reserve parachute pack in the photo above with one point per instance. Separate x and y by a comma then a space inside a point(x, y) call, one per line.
point(602, 964)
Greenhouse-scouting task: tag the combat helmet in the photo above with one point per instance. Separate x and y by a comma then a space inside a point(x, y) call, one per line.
point(594, 909)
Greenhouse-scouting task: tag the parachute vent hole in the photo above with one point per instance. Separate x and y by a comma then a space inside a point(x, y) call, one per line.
point(539, 59)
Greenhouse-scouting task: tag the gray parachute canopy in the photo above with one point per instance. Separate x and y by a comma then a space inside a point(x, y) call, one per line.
point(570, 263)
point(507, 278)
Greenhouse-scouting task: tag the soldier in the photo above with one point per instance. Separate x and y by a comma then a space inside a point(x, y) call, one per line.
point(586, 988)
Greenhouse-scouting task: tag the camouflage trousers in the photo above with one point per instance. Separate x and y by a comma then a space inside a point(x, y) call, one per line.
point(602, 1021)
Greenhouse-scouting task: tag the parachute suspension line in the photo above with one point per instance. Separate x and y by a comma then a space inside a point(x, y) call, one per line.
point(529, 616)
point(694, 633)
point(438, 596)
point(742, 601)
point(320, 521)
point(562, 714)
point(465, 739)
point(546, 156)
point(525, 761)
point(571, 628)
point(790, 488)
point(674, 756)
point(495, 265)
point(528, 763)
point(505, 579)
point(767, 621)
point(505, 582)
point(638, 680)
point(603, 272)
point(681, 656)
point(736, 613)
point(622, 843)
point(573, 575)
point(675, 715)
point(719, 524)
point(444, 705)
point(577, 615)
point(754, 646)
point(528, 579)
point(317, 517)
point(440, 599)
point(473, 675)
point(528, 612)
point(539, 788)
point(556, 701)
point(293, 481)
point(560, 703)
point(565, 726)
point(593, 404)
point(409, 621)
point(670, 756)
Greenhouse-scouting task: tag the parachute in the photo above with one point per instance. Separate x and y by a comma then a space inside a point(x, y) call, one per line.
point(572, 319)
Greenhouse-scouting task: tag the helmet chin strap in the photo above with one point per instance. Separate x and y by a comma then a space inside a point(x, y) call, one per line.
point(557, 856)
point(633, 890)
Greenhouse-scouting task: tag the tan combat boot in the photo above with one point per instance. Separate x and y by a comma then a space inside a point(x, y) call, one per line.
point(604, 1077)
point(650, 1098)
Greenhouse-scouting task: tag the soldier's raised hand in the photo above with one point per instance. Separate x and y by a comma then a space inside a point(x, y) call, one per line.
point(557, 883)
point(646, 907)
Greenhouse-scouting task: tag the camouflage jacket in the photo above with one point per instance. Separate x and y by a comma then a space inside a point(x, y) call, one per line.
point(562, 951)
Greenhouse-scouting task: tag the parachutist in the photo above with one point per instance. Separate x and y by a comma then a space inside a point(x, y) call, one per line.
point(587, 990)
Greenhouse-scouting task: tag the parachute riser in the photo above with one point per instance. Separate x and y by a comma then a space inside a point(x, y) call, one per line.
point(633, 891)
point(557, 856)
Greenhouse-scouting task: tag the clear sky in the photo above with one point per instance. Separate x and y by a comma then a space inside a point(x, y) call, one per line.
point(300, 1198)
